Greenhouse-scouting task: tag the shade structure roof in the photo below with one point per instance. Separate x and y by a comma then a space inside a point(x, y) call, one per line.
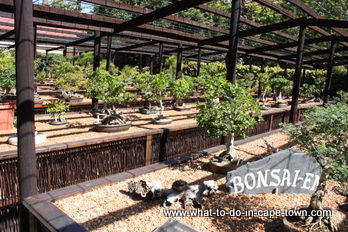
point(142, 30)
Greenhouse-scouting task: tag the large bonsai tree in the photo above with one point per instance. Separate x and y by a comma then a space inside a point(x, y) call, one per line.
point(110, 89)
point(228, 110)
point(182, 88)
point(154, 87)
point(323, 135)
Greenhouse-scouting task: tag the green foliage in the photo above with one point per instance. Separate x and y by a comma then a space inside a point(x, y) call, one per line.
point(183, 87)
point(107, 87)
point(85, 60)
point(233, 113)
point(323, 135)
point(57, 108)
point(8, 79)
point(71, 78)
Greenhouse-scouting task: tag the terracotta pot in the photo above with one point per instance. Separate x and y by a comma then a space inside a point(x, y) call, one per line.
point(220, 168)
point(7, 115)
point(111, 128)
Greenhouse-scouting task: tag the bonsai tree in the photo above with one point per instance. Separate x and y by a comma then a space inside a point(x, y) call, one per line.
point(280, 85)
point(110, 89)
point(70, 79)
point(306, 91)
point(233, 112)
point(154, 87)
point(266, 87)
point(57, 108)
point(181, 89)
point(323, 135)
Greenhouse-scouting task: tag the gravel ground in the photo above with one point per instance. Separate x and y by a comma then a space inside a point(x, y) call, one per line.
point(112, 208)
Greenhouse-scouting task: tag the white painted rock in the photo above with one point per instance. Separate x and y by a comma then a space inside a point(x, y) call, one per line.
point(39, 138)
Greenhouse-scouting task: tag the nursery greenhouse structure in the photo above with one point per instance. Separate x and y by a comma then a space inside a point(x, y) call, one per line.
point(289, 32)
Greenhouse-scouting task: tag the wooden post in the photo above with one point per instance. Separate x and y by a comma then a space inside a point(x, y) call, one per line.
point(231, 59)
point(148, 151)
point(263, 64)
point(151, 64)
point(179, 60)
point(160, 59)
point(24, 33)
point(199, 62)
point(329, 70)
point(108, 59)
point(297, 76)
point(96, 63)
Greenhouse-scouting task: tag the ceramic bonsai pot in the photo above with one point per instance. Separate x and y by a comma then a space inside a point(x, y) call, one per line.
point(161, 121)
point(100, 127)
point(180, 108)
point(147, 111)
point(222, 168)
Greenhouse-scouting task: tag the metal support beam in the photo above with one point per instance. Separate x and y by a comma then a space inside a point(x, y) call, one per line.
point(231, 59)
point(329, 70)
point(25, 108)
point(297, 75)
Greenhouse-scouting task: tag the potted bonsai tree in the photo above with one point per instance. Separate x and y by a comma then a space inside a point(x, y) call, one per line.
point(57, 108)
point(228, 111)
point(181, 89)
point(143, 81)
point(156, 88)
point(323, 136)
point(280, 85)
point(70, 80)
point(110, 89)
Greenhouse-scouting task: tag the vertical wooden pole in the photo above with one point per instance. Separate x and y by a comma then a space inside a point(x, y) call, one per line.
point(64, 51)
point(108, 59)
point(96, 63)
point(329, 70)
point(297, 76)
point(231, 59)
point(25, 108)
point(179, 61)
point(141, 63)
point(160, 59)
point(199, 62)
point(263, 64)
point(148, 150)
point(151, 64)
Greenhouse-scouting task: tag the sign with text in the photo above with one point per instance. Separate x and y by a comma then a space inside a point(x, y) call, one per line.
point(289, 171)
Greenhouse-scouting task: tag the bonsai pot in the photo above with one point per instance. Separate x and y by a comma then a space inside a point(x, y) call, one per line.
point(182, 108)
point(293, 223)
point(148, 111)
point(38, 101)
point(161, 121)
point(59, 122)
point(39, 138)
point(7, 115)
point(222, 167)
point(281, 105)
point(100, 127)
point(73, 99)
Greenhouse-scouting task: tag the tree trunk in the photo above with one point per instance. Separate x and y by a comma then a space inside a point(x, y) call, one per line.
point(162, 108)
point(230, 151)
point(316, 202)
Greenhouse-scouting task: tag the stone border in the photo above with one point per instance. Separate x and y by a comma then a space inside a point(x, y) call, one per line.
point(42, 207)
